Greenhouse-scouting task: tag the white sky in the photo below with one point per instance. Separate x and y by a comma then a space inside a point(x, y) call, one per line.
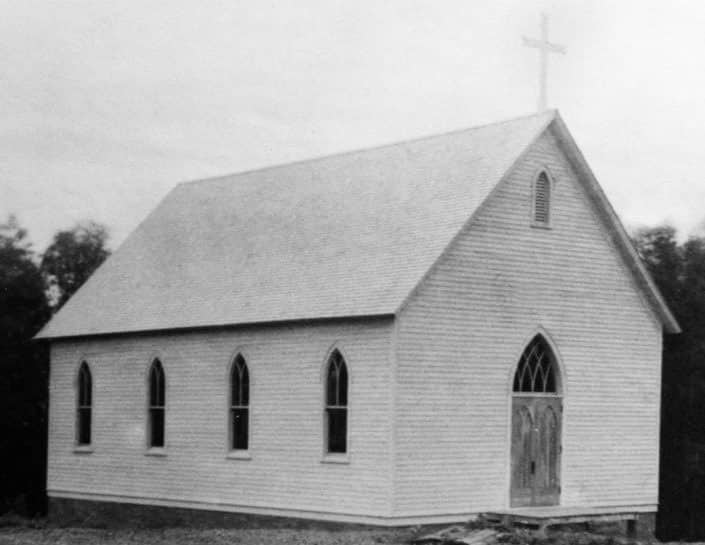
point(105, 106)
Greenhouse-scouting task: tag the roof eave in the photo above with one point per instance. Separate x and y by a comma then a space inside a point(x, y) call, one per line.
point(41, 336)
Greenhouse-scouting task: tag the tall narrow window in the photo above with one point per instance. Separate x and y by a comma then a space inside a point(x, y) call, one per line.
point(337, 404)
point(239, 404)
point(84, 405)
point(156, 404)
point(542, 199)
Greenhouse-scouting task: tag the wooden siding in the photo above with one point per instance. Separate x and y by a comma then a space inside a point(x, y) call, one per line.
point(461, 335)
point(286, 431)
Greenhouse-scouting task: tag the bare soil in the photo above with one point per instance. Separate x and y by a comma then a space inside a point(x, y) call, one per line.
point(209, 536)
point(16, 531)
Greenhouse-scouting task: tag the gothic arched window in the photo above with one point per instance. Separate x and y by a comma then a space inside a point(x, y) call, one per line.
point(239, 404)
point(84, 406)
point(536, 371)
point(157, 404)
point(336, 404)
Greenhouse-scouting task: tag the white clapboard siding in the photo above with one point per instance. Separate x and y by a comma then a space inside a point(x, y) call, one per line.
point(461, 334)
point(286, 433)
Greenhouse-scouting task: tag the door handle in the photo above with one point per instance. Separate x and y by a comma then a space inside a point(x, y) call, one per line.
point(533, 468)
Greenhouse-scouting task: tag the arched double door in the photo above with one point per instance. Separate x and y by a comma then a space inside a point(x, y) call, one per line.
point(536, 428)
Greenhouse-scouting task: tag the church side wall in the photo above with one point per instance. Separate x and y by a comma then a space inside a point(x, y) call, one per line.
point(286, 475)
point(461, 335)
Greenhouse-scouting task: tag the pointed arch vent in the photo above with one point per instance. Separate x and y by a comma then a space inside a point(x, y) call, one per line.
point(542, 199)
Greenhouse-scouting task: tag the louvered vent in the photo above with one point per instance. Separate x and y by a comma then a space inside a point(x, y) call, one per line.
point(542, 197)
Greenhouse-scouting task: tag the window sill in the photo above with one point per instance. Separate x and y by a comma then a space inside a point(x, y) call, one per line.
point(238, 455)
point(541, 225)
point(83, 449)
point(335, 458)
point(155, 451)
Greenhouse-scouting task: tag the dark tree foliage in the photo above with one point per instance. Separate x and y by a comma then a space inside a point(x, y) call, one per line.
point(23, 375)
point(679, 272)
point(71, 258)
point(24, 363)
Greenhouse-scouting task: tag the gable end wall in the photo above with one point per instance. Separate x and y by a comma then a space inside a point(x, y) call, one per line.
point(462, 332)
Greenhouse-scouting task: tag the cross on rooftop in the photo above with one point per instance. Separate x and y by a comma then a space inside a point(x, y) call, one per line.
point(545, 47)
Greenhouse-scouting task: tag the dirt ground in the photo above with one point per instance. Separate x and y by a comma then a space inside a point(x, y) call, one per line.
point(185, 536)
point(40, 533)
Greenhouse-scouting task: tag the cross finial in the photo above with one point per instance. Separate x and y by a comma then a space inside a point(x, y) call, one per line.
point(545, 47)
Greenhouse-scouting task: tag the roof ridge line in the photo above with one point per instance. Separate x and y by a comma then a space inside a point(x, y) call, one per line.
point(553, 113)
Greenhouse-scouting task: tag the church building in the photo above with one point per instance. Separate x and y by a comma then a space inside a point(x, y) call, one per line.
point(407, 334)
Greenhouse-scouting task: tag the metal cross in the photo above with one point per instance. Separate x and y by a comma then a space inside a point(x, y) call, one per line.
point(545, 47)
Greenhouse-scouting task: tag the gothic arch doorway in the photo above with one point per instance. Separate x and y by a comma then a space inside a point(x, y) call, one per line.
point(536, 427)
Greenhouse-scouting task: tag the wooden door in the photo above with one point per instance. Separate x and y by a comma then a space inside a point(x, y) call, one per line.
point(536, 449)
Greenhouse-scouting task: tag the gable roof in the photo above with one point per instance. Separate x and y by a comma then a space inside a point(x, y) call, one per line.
point(341, 236)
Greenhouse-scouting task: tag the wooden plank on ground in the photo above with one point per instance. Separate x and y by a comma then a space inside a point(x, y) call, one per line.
point(459, 535)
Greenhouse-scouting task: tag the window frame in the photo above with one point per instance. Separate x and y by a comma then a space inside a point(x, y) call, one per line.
point(329, 456)
point(152, 449)
point(79, 445)
point(548, 224)
point(232, 451)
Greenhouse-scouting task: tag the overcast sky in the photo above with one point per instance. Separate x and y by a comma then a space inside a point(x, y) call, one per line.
point(105, 106)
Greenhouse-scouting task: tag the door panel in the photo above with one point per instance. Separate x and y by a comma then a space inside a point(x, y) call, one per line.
point(522, 454)
point(536, 449)
point(547, 482)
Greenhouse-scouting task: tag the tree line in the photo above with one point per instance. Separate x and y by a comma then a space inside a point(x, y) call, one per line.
point(32, 288)
point(679, 271)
